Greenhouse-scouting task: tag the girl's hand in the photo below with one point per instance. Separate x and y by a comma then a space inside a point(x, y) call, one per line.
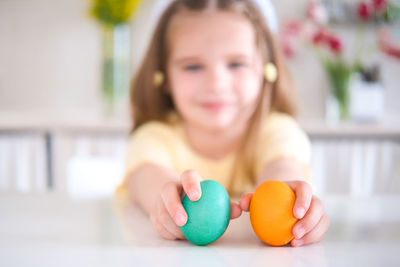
point(313, 221)
point(168, 214)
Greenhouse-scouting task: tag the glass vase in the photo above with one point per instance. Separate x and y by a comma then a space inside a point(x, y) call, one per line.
point(340, 78)
point(116, 68)
point(341, 91)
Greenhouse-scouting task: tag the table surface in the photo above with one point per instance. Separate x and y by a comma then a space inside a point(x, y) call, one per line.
point(73, 122)
point(54, 230)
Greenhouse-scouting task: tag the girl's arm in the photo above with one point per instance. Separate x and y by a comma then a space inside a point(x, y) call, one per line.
point(313, 221)
point(284, 169)
point(145, 184)
point(159, 192)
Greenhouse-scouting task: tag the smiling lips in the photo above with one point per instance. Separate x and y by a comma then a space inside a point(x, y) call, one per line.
point(215, 106)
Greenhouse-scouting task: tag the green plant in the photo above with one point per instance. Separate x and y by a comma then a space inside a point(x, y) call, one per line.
point(113, 12)
point(339, 73)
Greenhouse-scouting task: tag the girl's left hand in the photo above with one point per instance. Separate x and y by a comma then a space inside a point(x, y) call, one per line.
point(313, 221)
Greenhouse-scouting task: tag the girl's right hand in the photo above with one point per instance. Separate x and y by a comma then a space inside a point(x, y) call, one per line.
point(168, 214)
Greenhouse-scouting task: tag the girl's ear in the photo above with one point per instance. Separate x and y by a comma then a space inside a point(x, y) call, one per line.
point(270, 72)
point(158, 78)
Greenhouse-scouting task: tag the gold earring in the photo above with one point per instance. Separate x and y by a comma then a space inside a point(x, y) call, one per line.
point(270, 72)
point(158, 78)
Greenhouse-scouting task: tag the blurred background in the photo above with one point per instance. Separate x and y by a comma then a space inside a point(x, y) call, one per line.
point(65, 69)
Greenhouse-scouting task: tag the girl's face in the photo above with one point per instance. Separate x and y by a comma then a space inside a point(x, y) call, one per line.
point(214, 68)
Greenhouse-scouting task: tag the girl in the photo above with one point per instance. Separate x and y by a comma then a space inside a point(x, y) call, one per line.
point(213, 100)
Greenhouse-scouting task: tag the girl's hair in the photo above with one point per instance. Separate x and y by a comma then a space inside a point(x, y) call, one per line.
point(151, 102)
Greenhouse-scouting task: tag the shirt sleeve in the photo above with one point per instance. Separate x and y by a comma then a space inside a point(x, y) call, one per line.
point(282, 137)
point(148, 144)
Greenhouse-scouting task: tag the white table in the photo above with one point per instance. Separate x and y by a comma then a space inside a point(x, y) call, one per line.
point(53, 230)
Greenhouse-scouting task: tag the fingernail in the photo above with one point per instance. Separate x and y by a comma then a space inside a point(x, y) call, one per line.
point(297, 242)
point(300, 212)
point(299, 232)
point(180, 219)
point(194, 195)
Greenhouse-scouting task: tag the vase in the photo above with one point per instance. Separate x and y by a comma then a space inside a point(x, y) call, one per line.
point(367, 99)
point(116, 68)
point(340, 78)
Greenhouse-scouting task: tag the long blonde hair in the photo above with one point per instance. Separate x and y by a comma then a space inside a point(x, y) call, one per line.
point(150, 102)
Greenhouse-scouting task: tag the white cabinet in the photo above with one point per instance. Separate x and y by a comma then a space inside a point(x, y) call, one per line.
point(356, 166)
point(91, 162)
point(23, 162)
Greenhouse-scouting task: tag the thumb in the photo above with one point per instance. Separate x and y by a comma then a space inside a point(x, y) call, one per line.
point(245, 201)
point(236, 211)
point(191, 184)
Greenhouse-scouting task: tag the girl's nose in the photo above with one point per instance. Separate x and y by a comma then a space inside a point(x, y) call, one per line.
point(219, 79)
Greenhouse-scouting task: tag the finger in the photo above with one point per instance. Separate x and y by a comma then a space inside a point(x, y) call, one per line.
point(315, 235)
point(172, 201)
point(245, 201)
point(303, 193)
point(310, 220)
point(166, 220)
point(161, 229)
point(191, 184)
point(236, 211)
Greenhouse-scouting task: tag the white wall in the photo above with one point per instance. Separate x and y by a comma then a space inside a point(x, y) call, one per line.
point(50, 54)
point(310, 78)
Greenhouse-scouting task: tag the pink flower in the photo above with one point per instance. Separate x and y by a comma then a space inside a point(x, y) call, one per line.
point(387, 45)
point(336, 45)
point(290, 36)
point(317, 12)
point(364, 11)
point(289, 45)
point(379, 6)
point(321, 37)
point(293, 27)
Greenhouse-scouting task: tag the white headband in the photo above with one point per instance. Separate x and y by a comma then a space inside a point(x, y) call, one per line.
point(266, 7)
point(268, 10)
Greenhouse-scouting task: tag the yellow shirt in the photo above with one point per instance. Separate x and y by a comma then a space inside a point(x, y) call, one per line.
point(166, 144)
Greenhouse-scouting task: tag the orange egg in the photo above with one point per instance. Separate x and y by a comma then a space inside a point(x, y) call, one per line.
point(271, 213)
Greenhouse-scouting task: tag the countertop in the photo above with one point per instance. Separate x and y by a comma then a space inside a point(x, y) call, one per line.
point(55, 230)
point(72, 122)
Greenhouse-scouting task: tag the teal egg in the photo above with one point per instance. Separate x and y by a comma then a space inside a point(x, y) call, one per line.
point(208, 217)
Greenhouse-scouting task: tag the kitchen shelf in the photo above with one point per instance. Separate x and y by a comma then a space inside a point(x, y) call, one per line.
point(93, 123)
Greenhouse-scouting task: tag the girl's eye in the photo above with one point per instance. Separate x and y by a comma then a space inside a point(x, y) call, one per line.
point(193, 67)
point(235, 65)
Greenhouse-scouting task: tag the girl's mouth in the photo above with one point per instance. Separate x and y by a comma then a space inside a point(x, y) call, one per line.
point(215, 106)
